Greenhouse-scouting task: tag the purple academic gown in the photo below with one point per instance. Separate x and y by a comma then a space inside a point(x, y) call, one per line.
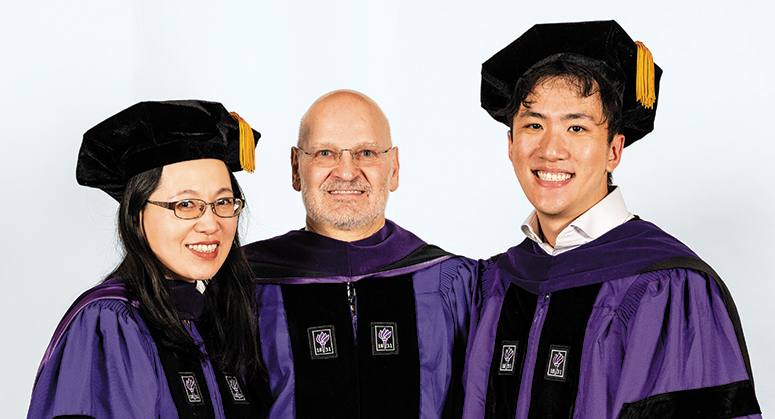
point(375, 328)
point(630, 325)
point(103, 363)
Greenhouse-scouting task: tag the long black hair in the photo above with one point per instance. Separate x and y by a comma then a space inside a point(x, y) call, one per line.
point(230, 299)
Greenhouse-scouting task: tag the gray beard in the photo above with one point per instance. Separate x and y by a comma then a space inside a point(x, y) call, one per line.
point(344, 219)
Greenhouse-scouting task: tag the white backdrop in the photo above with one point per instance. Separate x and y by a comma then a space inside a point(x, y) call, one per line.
point(65, 66)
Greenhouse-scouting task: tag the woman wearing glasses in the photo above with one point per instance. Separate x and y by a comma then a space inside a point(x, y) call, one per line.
point(146, 342)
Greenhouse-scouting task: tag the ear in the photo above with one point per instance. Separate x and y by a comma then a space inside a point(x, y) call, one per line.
point(615, 152)
point(295, 177)
point(394, 174)
point(141, 224)
point(511, 142)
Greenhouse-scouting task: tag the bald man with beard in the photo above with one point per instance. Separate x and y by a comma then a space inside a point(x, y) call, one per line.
point(358, 318)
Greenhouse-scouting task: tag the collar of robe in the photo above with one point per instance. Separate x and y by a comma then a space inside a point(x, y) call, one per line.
point(626, 250)
point(302, 256)
point(189, 302)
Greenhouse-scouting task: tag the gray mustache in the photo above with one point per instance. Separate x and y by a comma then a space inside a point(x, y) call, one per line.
point(354, 184)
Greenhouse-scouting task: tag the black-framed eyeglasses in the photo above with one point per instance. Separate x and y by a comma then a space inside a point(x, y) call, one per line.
point(191, 209)
point(362, 157)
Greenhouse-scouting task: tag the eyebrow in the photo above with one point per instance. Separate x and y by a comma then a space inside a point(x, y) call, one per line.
point(330, 145)
point(582, 115)
point(193, 192)
point(527, 113)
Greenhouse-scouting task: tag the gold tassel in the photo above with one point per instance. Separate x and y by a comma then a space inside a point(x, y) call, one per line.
point(247, 145)
point(644, 78)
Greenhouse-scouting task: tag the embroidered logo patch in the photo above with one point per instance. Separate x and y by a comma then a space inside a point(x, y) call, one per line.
point(384, 338)
point(508, 357)
point(558, 358)
point(322, 342)
point(234, 388)
point(191, 388)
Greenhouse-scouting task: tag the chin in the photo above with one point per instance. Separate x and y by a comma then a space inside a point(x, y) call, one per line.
point(546, 206)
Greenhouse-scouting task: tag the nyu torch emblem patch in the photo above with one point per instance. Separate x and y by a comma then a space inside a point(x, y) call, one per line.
point(508, 357)
point(384, 339)
point(555, 368)
point(191, 388)
point(234, 388)
point(322, 342)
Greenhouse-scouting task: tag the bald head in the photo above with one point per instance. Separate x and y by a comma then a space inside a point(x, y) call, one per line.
point(345, 199)
point(337, 112)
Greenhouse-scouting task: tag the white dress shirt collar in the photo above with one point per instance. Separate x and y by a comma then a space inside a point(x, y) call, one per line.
point(610, 212)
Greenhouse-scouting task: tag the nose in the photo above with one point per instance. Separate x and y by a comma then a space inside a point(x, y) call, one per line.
point(208, 223)
point(553, 145)
point(346, 168)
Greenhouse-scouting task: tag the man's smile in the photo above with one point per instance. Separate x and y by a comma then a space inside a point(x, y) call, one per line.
point(552, 176)
point(337, 192)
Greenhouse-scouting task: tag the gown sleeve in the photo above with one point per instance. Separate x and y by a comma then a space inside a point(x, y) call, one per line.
point(103, 367)
point(458, 288)
point(679, 354)
point(459, 291)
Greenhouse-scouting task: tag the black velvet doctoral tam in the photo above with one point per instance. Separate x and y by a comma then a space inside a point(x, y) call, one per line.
point(153, 134)
point(604, 42)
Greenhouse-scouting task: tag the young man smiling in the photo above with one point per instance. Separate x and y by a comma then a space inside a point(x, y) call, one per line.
point(561, 152)
point(358, 317)
point(597, 314)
